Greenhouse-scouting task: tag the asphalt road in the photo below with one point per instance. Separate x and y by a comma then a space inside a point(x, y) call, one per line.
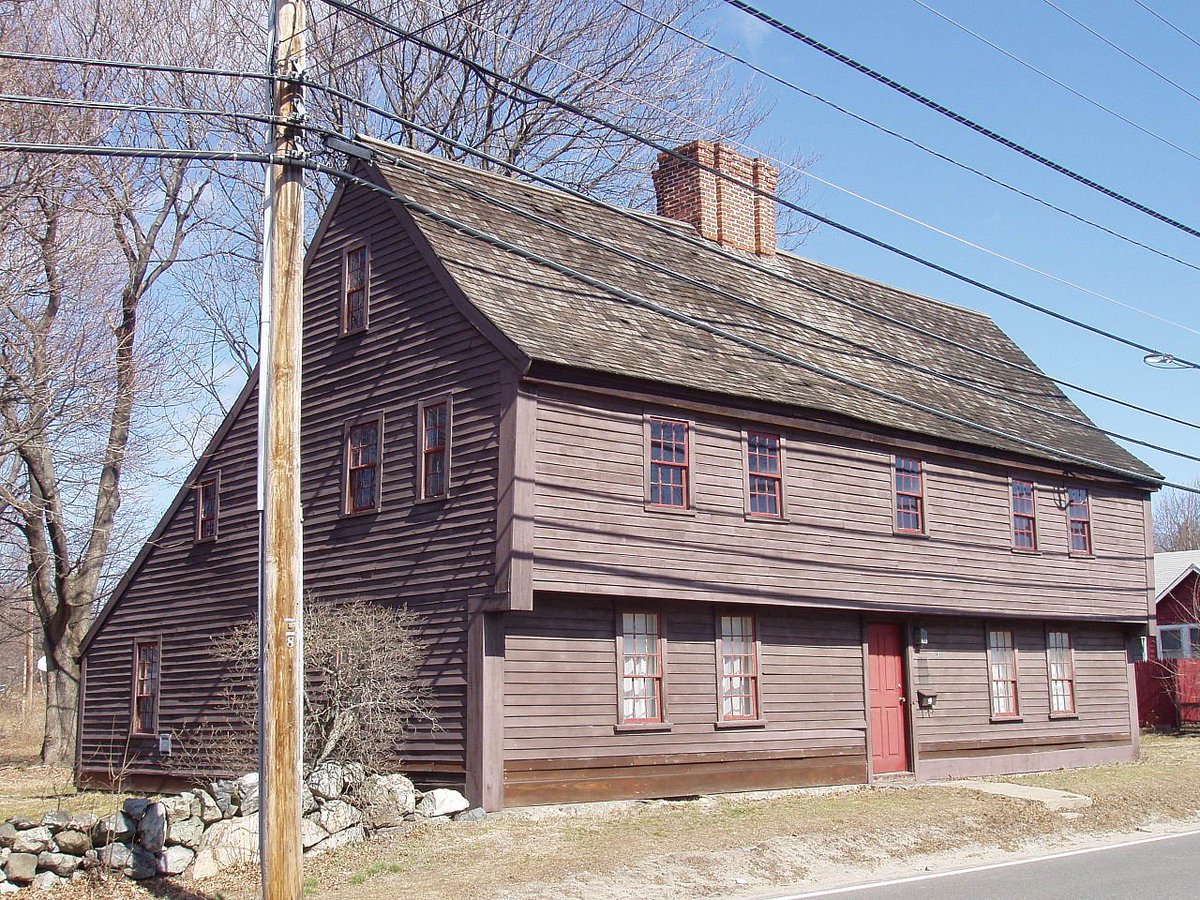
point(1163, 867)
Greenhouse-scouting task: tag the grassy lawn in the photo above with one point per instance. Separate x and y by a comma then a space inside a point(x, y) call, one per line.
point(713, 846)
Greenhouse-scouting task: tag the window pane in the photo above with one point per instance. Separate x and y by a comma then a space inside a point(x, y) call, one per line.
point(641, 666)
point(1170, 643)
point(1002, 672)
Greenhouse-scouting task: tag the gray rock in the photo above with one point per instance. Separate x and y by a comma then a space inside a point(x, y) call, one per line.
point(5, 853)
point(7, 887)
point(337, 815)
point(311, 833)
point(8, 833)
point(386, 799)
point(442, 802)
point(356, 774)
point(134, 807)
point(233, 842)
point(45, 881)
point(152, 829)
point(59, 863)
point(246, 794)
point(115, 827)
point(116, 856)
point(178, 806)
point(175, 860)
point(470, 815)
point(327, 781)
point(23, 823)
point(209, 810)
point(143, 865)
point(56, 820)
point(76, 843)
point(347, 836)
point(186, 832)
point(222, 792)
point(21, 868)
point(307, 801)
point(84, 822)
point(35, 840)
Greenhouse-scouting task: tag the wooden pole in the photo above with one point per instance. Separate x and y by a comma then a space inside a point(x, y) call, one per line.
point(281, 594)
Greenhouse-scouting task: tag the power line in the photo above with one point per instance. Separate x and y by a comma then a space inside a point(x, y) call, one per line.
point(966, 242)
point(132, 66)
point(791, 85)
point(1145, 65)
point(1062, 84)
point(115, 106)
point(661, 148)
point(392, 43)
point(738, 259)
point(956, 117)
point(139, 152)
point(1167, 22)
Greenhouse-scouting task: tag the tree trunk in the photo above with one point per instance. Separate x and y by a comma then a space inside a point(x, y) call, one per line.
point(62, 699)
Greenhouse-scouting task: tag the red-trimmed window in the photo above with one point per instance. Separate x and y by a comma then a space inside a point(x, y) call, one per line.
point(910, 495)
point(739, 668)
point(669, 463)
point(1002, 673)
point(1060, 664)
point(207, 509)
point(356, 276)
point(1079, 518)
point(362, 466)
point(1024, 515)
point(641, 668)
point(764, 474)
point(435, 449)
point(145, 687)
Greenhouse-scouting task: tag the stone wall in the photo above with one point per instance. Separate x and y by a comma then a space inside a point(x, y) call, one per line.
point(198, 833)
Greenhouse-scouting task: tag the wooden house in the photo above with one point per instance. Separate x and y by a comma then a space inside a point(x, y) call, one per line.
point(682, 513)
point(1168, 682)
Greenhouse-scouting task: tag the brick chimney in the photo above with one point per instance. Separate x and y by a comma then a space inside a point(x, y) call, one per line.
point(720, 210)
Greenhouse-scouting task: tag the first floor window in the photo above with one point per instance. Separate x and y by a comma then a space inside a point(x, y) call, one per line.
point(764, 474)
point(910, 495)
point(1024, 515)
point(739, 668)
point(362, 467)
point(669, 463)
point(1079, 518)
point(1002, 673)
point(206, 509)
point(145, 687)
point(1061, 667)
point(435, 444)
point(1179, 642)
point(641, 668)
point(355, 279)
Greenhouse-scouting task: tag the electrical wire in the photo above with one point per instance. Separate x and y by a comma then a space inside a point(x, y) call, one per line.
point(135, 108)
point(1167, 22)
point(956, 117)
point(143, 152)
point(482, 70)
point(791, 85)
point(733, 141)
point(743, 261)
point(132, 66)
point(392, 43)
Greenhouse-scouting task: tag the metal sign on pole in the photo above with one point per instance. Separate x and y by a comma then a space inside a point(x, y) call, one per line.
point(281, 581)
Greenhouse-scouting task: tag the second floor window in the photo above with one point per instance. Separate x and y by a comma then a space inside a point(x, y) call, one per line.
point(1061, 665)
point(1002, 673)
point(739, 668)
point(910, 495)
point(355, 289)
point(1024, 515)
point(145, 687)
point(207, 509)
point(435, 449)
point(1179, 642)
point(641, 668)
point(669, 463)
point(764, 474)
point(362, 466)
point(1079, 517)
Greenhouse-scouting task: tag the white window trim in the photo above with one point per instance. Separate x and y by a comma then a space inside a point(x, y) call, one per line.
point(1187, 641)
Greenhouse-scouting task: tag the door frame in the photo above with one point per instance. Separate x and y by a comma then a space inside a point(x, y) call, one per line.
point(906, 662)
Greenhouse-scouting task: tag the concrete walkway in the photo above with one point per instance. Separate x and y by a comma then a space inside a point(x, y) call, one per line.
point(1056, 801)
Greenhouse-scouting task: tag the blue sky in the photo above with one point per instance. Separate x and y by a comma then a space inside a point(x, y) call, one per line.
point(914, 46)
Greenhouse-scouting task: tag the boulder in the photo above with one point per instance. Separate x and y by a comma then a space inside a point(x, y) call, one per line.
point(152, 828)
point(116, 855)
point(56, 820)
point(337, 815)
point(7, 887)
point(74, 842)
point(116, 827)
point(135, 807)
point(232, 842)
point(356, 774)
point(21, 868)
point(209, 810)
point(470, 815)
point(5, 853)
point(352, 835)
point(386, 799)
point(23, 823)
point(8, 833)
point(308, 802)
point(311, 833)
point(442, 802)
point(186, 832)
point(245, 793)
point(35, 840)
point(142, 865)
point(179, 806)
point(222, 792)
point(45, 881)
point(84, 822)
point(59, 863)
point(175, 860)
point(327, 781)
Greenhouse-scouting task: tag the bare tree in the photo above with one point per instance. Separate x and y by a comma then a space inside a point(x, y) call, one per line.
point(1177, 520)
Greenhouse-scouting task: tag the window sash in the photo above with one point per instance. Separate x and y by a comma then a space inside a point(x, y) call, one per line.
point(909, 483)
point(434, 444)
point(1079, 520)
point(1179, 642)
point(764, 474)
point(641, 668)
point(362, 467)
point(145, 687)
point(738, 675)
point(1024, 515)
point(1002, 673)
point(1060, 663)
point(206, 509)
point(669, 463)
point(354, 295)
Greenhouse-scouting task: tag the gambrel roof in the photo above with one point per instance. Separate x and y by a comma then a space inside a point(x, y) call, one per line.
point(555, 317)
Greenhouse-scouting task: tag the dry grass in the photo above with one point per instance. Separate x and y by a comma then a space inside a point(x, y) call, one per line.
point(721, 845)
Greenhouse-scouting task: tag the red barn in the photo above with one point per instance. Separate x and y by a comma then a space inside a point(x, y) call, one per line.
point(1173, 649)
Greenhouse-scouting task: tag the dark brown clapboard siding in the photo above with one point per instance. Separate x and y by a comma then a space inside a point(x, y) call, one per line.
point(433, 558)
point(837, 547)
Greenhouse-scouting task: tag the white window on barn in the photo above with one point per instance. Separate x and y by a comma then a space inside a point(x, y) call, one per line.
point(146, 655)
point(739, 668)
point(1179, 642)
point(1060, 663)
point(641, 668)
point(1002, 673)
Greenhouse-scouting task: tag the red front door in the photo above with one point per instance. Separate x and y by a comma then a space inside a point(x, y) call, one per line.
point(889, 715)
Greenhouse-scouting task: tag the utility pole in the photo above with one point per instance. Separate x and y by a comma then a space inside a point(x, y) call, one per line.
point(281, 609)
